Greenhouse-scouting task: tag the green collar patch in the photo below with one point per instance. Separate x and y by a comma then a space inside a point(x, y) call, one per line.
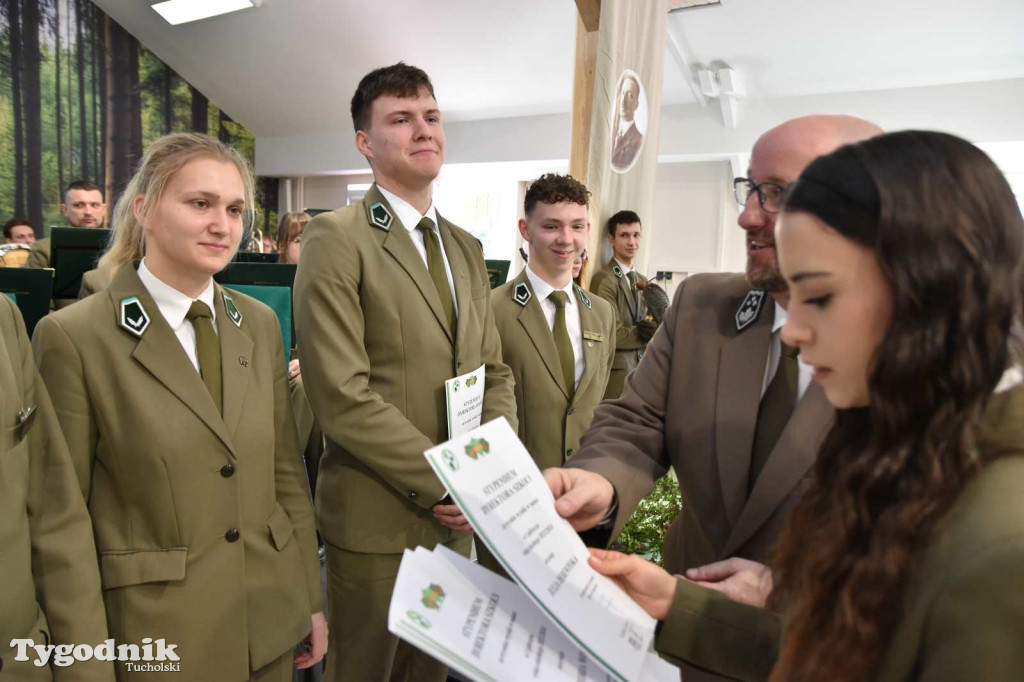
point(133, 317)
point(229, 307)
point(521, 294)
point(380, 215)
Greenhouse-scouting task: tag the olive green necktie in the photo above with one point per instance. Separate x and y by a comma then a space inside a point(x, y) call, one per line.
point(435, 264)
point(566, 357)
point(207, 350)
point(631, 276)
point(776, 408)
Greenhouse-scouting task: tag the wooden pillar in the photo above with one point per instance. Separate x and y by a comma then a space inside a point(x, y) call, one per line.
point(587, 24)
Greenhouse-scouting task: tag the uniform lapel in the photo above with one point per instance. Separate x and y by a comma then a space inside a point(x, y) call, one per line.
point(589, 322)
point(457, 263)
point(398, 243)
point(531, 317)
point(160, 352)
point(235, 356)
point(741, 364)
point(790, 460)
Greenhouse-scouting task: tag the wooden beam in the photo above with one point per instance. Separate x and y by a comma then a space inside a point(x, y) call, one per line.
point(590, 13)
point(582, 97)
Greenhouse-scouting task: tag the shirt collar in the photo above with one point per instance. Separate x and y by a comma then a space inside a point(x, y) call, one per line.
point(625, 268)
point(409, 216)
point(542, 289)
point(172, 303)
point(780, 317)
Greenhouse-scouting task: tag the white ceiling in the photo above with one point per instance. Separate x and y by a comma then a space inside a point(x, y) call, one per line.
point(290, 67)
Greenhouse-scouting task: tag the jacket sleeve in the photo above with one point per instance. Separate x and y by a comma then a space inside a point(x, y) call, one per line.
point(712, 632)
point(60, 366)
point(290, 479)
point(499, 384)
point(626, 441)
point(64, 563)
point(336, 367)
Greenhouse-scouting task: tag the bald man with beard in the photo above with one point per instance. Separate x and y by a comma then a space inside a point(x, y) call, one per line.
point(719, 398)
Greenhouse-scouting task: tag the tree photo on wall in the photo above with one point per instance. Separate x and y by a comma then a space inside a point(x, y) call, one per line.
point(80, 98)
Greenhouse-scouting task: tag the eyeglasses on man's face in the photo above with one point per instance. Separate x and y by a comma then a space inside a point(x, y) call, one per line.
point(769, 194)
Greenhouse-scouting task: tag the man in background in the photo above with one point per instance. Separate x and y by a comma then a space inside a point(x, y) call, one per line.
point(619, 283)
point(19, 231)
point(83, 207)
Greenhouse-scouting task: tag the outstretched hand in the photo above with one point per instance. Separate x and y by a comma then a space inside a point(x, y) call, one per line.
point(648, 584)
point(742, 580)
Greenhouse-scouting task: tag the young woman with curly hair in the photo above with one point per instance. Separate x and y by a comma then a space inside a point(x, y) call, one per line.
point(904, 256)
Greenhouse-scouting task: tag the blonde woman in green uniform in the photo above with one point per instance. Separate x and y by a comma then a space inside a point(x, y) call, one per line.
point(172, 394)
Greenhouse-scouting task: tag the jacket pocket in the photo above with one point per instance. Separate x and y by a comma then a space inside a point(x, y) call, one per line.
point(281, 528)
point(123, 568)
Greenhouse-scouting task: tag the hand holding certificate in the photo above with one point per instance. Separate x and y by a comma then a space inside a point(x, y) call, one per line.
point(497, 485)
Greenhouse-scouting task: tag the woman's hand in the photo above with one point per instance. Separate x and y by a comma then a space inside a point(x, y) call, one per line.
point(316, 641)
point(747, 582)
point(648, 584)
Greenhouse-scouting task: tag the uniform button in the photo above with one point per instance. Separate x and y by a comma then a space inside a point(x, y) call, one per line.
point(227, 471)
point(458, 363)
point(413, 495)
point(568, 453)
point(571, 409)
point(232, 535)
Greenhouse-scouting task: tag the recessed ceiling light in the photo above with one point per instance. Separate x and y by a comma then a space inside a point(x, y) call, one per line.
point(183, 11)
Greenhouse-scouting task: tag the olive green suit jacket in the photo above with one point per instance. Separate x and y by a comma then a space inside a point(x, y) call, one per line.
point(610, 284)
point(963, 610)
point(550, 424)
point(39, 255)
point(170, 481)
point(49, 581)
point(92, 281)
point(376, 350)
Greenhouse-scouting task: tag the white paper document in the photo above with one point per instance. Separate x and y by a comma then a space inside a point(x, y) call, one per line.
point(464, 401)
point(486, 628)
point(497, 485)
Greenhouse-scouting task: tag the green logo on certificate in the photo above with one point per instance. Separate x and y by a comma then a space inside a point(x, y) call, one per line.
point(477, 447)
point(470, 382)
point(449, 458)
point(455, 386)
point(418, 619)
point(433, 597)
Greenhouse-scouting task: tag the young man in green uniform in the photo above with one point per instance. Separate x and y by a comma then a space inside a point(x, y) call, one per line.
point(620, 284)
point(391, 300)
point(558, 341)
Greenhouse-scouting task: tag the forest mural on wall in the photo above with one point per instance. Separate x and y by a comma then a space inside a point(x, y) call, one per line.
point(80, 98)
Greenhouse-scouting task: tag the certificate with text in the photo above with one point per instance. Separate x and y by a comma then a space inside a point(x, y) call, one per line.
point(485, 626)
point(503, 495)
point(464, 401)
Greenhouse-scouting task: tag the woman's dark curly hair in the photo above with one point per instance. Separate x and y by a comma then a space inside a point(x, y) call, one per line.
point(947, 232)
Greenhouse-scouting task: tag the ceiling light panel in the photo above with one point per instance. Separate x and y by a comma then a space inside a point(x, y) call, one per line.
point(183, 11)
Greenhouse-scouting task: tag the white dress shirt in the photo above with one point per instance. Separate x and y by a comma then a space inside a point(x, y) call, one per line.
point(775, 350)
point(174, 305)
point(410, 218)
point(572, 316)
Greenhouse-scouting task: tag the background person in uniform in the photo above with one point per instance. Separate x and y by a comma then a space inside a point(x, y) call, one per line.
point(172, 394)
point(391, 301)
point(19, 231)
point(903, 559)
point(51, 585)
point(619, 284)
point(83, 207)
point(705, 399)
point(626, 137)
point(580, 269)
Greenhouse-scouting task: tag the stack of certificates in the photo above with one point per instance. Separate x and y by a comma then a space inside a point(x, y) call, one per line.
point(560, 619)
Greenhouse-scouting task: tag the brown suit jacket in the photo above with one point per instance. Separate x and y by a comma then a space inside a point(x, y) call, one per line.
point(376, 351)
point(613, 286)
point(49, 581)
point(168, 478)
